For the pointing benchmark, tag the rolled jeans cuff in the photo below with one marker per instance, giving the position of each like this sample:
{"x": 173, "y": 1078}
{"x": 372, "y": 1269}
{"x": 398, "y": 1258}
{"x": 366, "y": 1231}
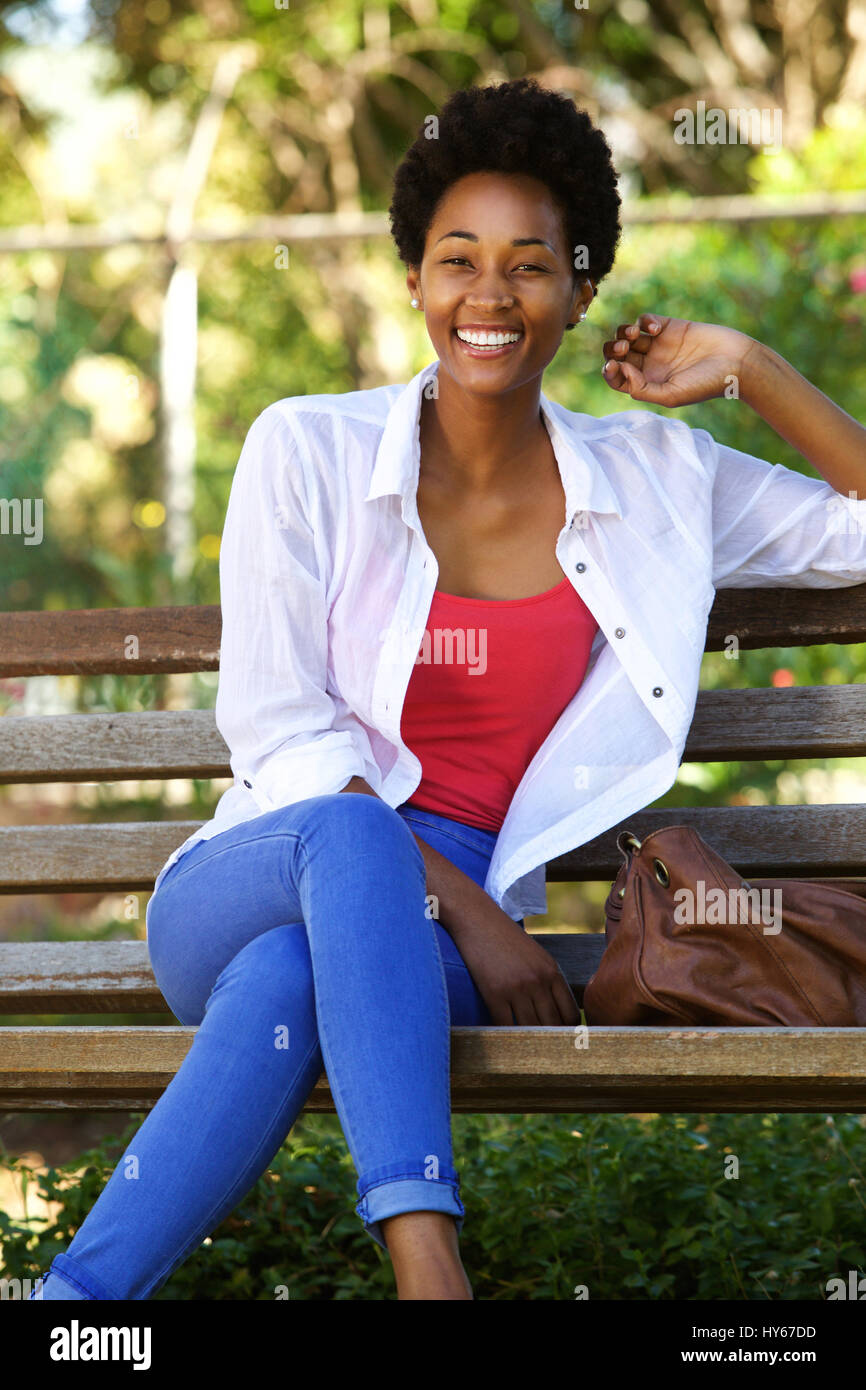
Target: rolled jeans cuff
{"x": 396, "y": 1188}
{"x": 68, "y": 1279}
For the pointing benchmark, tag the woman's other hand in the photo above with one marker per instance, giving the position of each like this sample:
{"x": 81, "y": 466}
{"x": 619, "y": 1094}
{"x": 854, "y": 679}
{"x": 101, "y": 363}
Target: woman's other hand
{"x": 512, "y": 973}
{"x": 674, "y": 362}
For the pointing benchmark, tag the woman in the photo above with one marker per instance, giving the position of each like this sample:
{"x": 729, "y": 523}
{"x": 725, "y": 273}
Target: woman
{"x": 384, "y": 551}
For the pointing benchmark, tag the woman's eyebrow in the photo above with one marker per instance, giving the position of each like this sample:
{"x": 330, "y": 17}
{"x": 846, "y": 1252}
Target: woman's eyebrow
{"x": 518, "y": 241}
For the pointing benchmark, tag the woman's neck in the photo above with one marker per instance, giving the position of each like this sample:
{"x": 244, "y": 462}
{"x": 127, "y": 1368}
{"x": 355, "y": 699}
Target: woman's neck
{"x": 485, "y": 448}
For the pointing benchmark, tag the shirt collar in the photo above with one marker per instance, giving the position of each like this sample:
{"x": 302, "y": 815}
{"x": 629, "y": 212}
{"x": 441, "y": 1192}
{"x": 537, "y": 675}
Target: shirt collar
{"x": 395, "y": 470}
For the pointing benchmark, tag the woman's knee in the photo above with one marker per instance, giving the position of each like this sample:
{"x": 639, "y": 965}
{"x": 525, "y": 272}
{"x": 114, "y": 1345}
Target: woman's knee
{"x": 351, "y": 806}
{"x": 351, "y": 818}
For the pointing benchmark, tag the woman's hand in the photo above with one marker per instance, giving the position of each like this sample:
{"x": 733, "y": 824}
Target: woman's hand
{"x": 674, "y": 362}
{"x": 512, "y": 973}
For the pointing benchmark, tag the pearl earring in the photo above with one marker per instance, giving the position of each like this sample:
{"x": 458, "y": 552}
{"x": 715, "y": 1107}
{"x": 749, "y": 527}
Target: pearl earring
{"x": 414, "y": 304}
{"x": 582, "y": 314}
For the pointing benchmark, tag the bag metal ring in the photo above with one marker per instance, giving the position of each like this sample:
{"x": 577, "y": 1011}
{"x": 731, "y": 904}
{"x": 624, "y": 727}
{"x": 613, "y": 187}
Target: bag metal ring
{"x": 662, "y": 874}
{"x": 625, "y": 839}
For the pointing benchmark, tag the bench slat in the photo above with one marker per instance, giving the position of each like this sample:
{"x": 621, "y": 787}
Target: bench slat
{"x": 493, "y": 1070}
{"x": 759, "y": 841}
{"x": 64, "y": 977}
{"x": 793, "y": 722}
{"x": 97, "y": 641}
{"x": 60, "y": 977}
{"x": 94, "y": 641}
{"x": 104, "y": 747}
{"x": 809, "y": 721}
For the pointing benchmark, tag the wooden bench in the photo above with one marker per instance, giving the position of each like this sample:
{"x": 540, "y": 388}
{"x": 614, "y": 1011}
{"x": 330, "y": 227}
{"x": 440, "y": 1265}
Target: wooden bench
{"x": 506, "y": 1070}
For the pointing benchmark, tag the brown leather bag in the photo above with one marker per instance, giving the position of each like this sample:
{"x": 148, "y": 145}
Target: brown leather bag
{"x": 792, "y": 954}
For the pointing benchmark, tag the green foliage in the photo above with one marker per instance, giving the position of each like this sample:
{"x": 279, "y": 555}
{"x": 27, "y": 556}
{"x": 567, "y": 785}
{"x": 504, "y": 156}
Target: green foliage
{"x": 633, "y": 1207}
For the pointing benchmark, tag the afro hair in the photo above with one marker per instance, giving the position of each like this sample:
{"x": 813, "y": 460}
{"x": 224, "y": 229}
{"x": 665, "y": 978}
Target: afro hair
{"x": 514, "y": 127}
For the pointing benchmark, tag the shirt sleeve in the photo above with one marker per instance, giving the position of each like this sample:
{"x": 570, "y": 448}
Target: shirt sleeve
{"x": 272, "y": 706}
{"x": 774, "y": 526}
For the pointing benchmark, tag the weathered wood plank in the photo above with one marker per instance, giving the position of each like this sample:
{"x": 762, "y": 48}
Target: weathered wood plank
{"x": 794, "y": 722}
{"x": 493, "y": 1070}
{"x": 111, "y": 641}
{"x": 92, "y": 858}
{"x": 760, "y": 841}
{"x": 45, "y": 977}
{"x": 783, "y": 617}
{"x": 64, "y": 977}
{"x": 91, "y": 641}
{"x": 107, "y": 747}
{"x": 810, "y": 721}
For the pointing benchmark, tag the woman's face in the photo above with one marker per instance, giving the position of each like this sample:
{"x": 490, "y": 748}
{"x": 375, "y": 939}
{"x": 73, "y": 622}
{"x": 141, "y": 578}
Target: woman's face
{"x": 473, "y": 275}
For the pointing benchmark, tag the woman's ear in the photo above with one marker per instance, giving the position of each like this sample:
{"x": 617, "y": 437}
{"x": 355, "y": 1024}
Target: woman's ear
{"x": 413, "y": 277}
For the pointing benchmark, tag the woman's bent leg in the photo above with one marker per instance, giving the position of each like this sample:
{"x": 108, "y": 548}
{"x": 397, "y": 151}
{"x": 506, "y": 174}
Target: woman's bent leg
{"x": 382, "y": 1006}
{"x": 213, "y": 1132}
{"x": 359, "y": 973}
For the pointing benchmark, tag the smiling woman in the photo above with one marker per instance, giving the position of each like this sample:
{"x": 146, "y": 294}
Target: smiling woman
{"x": 361, "y": 888}
{"x": 516, "y": 127}
{"x": 507, "y": 221}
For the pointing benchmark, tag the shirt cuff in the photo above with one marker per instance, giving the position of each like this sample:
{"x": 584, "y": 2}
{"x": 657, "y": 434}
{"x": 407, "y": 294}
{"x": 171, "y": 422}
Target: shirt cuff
{"x": 317, "y": 769}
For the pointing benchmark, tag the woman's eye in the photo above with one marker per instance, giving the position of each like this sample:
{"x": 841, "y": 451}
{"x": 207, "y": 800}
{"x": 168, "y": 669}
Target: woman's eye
{"x": 453, "y": 260}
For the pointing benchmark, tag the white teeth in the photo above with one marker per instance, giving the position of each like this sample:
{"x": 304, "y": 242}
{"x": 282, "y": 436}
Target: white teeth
{"x": 487, "y": 339}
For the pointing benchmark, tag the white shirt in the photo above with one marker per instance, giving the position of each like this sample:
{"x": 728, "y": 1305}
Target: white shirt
{"x": 327, "y": 579}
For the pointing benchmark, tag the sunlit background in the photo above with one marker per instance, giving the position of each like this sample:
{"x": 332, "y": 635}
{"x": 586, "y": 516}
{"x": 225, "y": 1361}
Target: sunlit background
{"x": 193, "y": 225}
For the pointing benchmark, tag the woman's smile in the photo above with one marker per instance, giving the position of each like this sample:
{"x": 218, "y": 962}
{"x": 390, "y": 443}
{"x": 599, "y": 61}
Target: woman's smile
{"x": 496, "y": 349}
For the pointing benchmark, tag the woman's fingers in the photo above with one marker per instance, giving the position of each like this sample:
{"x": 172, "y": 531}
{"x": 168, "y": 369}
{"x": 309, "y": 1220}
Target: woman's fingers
{"x": 616, "y": 348}
{"x": 565, "y": 1001}
{"x": 620, "y": 346}
{"x": 622, "y": 376}
{"x": 636, "y": 337}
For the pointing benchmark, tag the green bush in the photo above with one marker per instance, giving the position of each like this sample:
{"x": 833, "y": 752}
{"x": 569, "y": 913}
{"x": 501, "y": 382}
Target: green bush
{"x": 631, "y": 1207}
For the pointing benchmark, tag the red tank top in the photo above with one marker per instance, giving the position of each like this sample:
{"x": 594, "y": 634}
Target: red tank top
{"x": 490, "y": 680}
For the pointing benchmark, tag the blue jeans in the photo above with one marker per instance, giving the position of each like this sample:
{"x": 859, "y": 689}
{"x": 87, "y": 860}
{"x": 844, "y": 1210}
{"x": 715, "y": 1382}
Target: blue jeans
{"x": 296, "y": 941}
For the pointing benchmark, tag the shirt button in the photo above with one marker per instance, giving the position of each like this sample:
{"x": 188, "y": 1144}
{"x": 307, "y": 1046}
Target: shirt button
{"x": 657, "y": 690}
{"x": 580, "y": 567}
{"x": 248, "y": 784}
{"x": 619, "y": 632}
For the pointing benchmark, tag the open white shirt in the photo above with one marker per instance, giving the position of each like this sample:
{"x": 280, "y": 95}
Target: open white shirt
{"x": 326, "y": 583}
